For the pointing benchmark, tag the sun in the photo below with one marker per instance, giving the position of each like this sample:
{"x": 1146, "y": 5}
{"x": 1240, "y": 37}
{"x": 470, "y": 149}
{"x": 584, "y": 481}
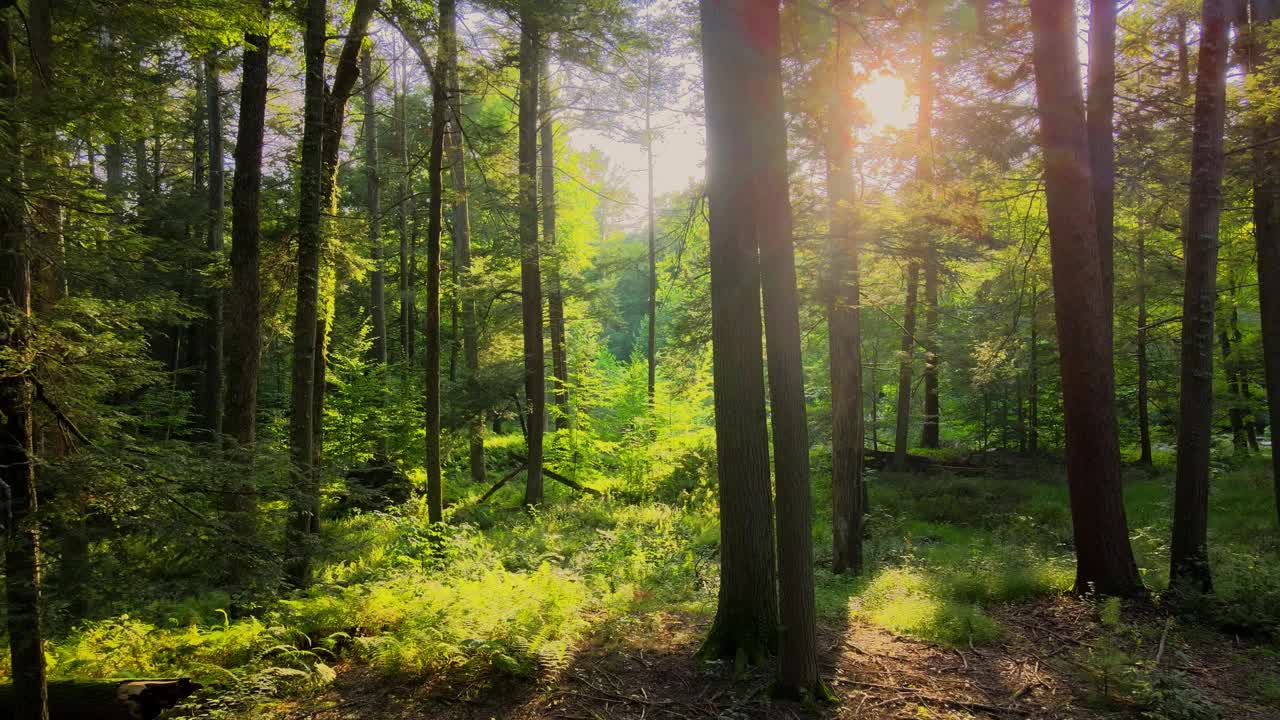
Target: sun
{"x": 887, "y": 101}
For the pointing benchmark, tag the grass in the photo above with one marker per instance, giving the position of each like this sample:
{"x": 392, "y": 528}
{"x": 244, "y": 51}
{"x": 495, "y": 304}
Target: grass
{"x": 502, "y": 591}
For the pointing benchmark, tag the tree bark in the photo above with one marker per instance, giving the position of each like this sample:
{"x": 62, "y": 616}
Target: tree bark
{"x": 1266, "y": 225}
{"x": 211, "y": 404}
{"x": 377, "y": 277}
{"x": 843, "y": 335}
{"x": 930, "y": 432}
{"x": 1189, "y": 559}
{"x": 435, "y": 209}
{"x": 244, "y": 301}
{"x": 1101, "y": 131}
{"x": 462, "y": 242}
{"x": 530, "y": 271}
{"x": 651, "y": 350}
{"x": 1104, "y": 557}
{"x": 17, "y": 441}
{"x": 766, "y": 125}
{"x": 305, "y": 509}
{"x": 555, "y": 288}
{"x": 1144, "y": 394}
{"x": 906, "y": 359}
{"x": 746, "y": 623}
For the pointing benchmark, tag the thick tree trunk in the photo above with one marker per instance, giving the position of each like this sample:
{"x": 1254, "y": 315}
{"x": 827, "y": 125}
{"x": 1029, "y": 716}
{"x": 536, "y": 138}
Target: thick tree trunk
{"x": 211, "y": 401}
{"x": 906, "y": 361}
{"x": 766, "y": 126}
{"x": 555, "y": 288}
{"x": 1266, "y": 225}
{"x": 17, "y": 466}
{"x": 530, "y": 271}
{"x": 746, "y": 623}
{"x": 435, "y": 210}
{"x": 1189, "y": 560}
{"x": 1100, "y": 127}
{"x": 1144, "y": 393}
{"x": 1104, "y": 557}
{"x": 373, "y": 205}
{"x": 305, "y": 508}
{"x": 843, "y": 335}
{"x": 244, "y": 301}
{"x": 462, "y": 241}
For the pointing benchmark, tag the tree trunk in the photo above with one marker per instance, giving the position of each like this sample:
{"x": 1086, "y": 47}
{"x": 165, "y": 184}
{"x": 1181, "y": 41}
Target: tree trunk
{"x": 244, "y": 301}
{"x": 377, "y": 277}
{"x": 906, "y": 359}
{"x": 1033, "y": 375}
{"x": 930, "y": 434}
{"x": 17, "y": 442}
{"x": 1266, "y": 225}
{"x": 843, "y": 336}
{"x": 435, "y": 209}
{"x": 1189, "y": 559}
{"x": 462, "y": 241}
{"x": 555, "y": 290}
{"x": 1235, "y": 409}
{"x": 746, "y": 623}
{"x": 404, "y": 211}
{"x": 211, "y": 404}
{"x": 930, "y": 430}
{"x": 305, "y": 510}
{"x": 651, "y": 349}
{"x": 1144, "y": 395}
{"x": 1100, "y": 127}
{"x": 1242, "y": 379}
{"x": 530, "y": 272}
{"x": 766, "y": 126}
{"x": 1104, "y": 557}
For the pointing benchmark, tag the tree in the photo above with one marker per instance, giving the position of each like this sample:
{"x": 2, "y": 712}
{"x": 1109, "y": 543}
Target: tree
{"x": 1100, "y": 125}
{"x": 746, "y": 622}
{"x": 555, "y": 286}
{"x": 766, "y": 128}
{"x": 530, "y": 272}
{"x": 906, "y": 359}
{"x": 843, "y": 335}
{"x": 1104, "y": 557}
{"x": 1189, "y": 559}
{"x": 377, "y": 281}
{"x": 435, "y": 209}
{"x": 17, "y": 390}
{"x": 213, "y": 330}
{"x": 305, "y": 508}
{"x": 243, "y": 327}
{"x": 1266, "y": 222}
{"x": 462, "y": 235}
{"x": 930, "y": 430}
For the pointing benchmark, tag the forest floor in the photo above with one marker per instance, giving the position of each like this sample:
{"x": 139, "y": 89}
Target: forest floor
{"x": 1055, "y": 660}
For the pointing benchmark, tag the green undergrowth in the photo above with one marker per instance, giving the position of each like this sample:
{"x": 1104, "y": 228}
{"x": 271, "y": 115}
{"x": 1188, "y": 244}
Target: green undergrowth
{"x": 501, "y": 590}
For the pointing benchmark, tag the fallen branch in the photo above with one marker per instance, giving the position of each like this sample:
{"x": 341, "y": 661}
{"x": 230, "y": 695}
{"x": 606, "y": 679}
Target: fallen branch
{"x": 561, "y": 478}
{"x": 498, "y": 485}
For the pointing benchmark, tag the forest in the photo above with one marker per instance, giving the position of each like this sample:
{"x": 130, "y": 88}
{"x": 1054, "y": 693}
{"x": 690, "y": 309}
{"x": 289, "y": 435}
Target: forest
{"x": 640, "y": 359}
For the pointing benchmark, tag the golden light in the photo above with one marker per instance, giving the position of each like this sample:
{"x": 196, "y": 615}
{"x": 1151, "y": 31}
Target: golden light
{"x": 887, "y": 101}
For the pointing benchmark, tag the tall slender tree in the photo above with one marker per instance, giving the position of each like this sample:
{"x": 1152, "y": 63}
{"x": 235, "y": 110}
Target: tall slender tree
{"x": 767, "y": 129}
{"x": 1104, "y": 557}
{"x": 930, "y": 427}
{"x": 1189, "y": 559}
{"x": 435, "y": 210}
{"x": 373, "y": 205}
{"x": 305, "y": 508}
{"x": 213, "y": 330}
{"x": 746, "y": 622}
{"x": 530, "y": 270}
{"x": 17, "y": 390}
{"x": 843, "y": 336}
{"x": 555, "y": 286}
{"x": 1100, "y": 125}
{"x": 1266, "y": 221}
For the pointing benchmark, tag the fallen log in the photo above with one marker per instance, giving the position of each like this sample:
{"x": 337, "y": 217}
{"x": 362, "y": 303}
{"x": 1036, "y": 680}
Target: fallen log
{"x": 108, "y": 699}
{"x": 498, "y": 485}
{"x": 560, "y": 478}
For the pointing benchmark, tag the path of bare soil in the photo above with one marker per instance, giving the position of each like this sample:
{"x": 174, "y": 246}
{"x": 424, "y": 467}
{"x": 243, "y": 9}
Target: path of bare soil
{"x": 1042, "y": 668}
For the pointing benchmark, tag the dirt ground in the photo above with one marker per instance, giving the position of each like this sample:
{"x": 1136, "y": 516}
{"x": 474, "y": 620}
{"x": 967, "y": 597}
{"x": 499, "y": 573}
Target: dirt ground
{"x": 1044, "y": 667}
